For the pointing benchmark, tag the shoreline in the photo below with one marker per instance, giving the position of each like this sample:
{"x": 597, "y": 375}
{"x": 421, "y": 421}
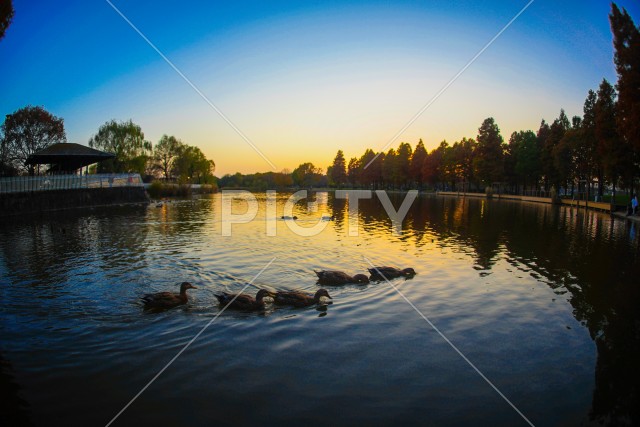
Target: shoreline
{"x": 592, "y": 206}
{"x": 35, "y": 203}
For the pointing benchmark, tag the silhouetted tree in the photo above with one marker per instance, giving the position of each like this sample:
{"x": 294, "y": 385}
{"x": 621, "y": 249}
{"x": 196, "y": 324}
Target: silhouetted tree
{"x": 126, "y": 141}
{"x": 488, "y": 161}
{"x": 390, "y": 168}
{"x": 433, "y": 163}
{"x": 546, "y": 158}
{"x": 524, "y": 156}
{"x": 417, "y": 161}
{"x": 588, "y": 163}
{"x": 463, "y": 154}
{"x": 565, "y": 154}
{"x": 307, "y": 175}
{"x": 192, "y": 166}
{"x": 403, "y": 163}
{"x": 283, "y": 178}
{"x": 510, "y": 155}
{"x": 26, "y": 131}
{"x": 448, "y": 167}
{"x": 371, "y": 172}
{"x": 6, "y": 16}
{"x": 626, "y": 43}
{"x": 556, "y": 132}
{"x": 354, "y": 171}
{"x": 612, "y": 149}
{"x": 548, "y": 138}
{"x": 338, "y": 174}
{"x": 164, "y": 154}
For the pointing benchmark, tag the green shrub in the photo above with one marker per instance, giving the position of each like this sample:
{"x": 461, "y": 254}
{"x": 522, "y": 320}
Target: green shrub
{"x": 208, "y": 188}
{"x": 155, "y": 190}
{"x": 159, "y": 189}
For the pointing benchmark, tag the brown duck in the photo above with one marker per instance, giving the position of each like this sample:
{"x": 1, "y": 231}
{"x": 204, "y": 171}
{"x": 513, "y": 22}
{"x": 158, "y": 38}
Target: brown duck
{"x": 328, "y": 277}
{"x": 300, "y": 299}
{"x": 381, "y": 273}
{"x": 167, "y": 299}
{"x": 244, "y": 301}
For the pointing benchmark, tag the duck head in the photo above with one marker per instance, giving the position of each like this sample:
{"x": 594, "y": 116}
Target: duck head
{"x": 186, "y": 285}
{"x": 322, "y": 293}
{"x": 264, "y": 293}
{"x": 408, "y": 272}
{"x": 360, "y": 278}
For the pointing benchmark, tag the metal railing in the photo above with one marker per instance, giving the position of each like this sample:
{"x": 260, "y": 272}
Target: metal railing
{"x": 27, "y": 184}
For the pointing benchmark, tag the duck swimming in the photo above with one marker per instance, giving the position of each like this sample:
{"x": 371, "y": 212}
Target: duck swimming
{"x": 244, "y": 301}
{"x": 381, "y": 273}
{"x": 167, "y": 299}
{"x": 328, "y": 277}
{"x": 299, "y": 299}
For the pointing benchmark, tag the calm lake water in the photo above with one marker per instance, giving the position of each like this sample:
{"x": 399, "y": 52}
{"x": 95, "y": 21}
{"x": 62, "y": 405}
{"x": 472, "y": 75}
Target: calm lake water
{"x": 544, "y": 301}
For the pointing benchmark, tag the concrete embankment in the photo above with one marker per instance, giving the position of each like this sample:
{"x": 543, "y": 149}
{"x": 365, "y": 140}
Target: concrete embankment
{"x": 34, "y": 202}
{"x": 604, "y": 207}
{"x": 623, "y": 215}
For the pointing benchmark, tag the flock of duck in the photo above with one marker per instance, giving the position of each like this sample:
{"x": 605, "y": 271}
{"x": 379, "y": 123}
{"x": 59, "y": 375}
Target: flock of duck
{"x": 245, "y": 302}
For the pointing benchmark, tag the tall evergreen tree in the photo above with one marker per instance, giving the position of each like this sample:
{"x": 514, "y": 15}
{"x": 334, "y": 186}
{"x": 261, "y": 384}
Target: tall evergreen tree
{"x": 353, "y": 171}
{"x": 548, "y": 138}
{"x": 489, "y": 158}
{"x": 588, "y": 163}
{"x": 525, "y": 157}
{"x": 612, "y": 149}
{"x": 372, "y": 175}
{"x": 403, "y": 163}
{"x": 417, "y": 161}
{"x": 338, "y": 172}
{"x": 547, "y": 167}
{"x": 464, "y": 152}
{"x": 626, "y": 43}
{"x": 556, "y": 132}
{"x": 390, "y": 169}
{"x": 432, "y": 169}
{"x": 449, "y": 172}
{"x": 564, "y": 154}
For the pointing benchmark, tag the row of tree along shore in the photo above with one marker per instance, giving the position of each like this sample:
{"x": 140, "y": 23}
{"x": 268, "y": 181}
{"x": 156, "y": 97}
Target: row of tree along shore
{"x": 579, "y": 157}
{"x": 31, "y": 129}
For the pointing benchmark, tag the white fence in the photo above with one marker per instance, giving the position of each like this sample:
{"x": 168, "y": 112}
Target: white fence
{"x": 26, "y": 184}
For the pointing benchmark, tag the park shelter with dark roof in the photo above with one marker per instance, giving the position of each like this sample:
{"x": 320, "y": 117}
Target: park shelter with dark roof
{"x": 68, "y": 157}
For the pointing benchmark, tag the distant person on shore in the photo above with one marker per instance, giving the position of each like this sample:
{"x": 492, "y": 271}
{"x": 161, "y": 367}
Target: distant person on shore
{"x": 634, "y": 205}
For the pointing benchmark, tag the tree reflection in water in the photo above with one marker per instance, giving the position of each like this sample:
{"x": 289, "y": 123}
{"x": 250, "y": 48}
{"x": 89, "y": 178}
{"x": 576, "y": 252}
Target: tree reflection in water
{"x": 589, "y": 255}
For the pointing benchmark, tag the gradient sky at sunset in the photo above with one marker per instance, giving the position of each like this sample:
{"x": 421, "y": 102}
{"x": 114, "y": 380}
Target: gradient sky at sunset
{"x": 304, "y": 79}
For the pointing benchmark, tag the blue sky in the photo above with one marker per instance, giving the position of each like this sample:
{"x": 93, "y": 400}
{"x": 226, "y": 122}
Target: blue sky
{"x": 304, "y": 79}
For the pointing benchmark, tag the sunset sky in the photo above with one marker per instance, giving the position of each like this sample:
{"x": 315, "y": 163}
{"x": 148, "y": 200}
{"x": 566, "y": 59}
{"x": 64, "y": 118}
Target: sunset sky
{"x": 304, "y": 79}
